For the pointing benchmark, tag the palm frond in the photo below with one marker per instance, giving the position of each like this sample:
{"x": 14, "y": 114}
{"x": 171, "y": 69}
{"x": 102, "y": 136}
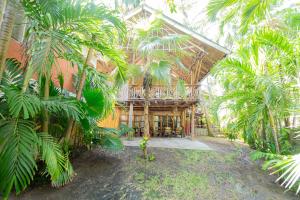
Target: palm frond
{"x": 215, "y": 6}
{"x": 68, "y": 106}
{"x": 274, "y": 39}
{"x": 161, "y": 71}
{"x": 22, "y": 104}
{"x": 289, "y": 166}
{"x": 107, "y": 138}
{"x": 13, "y": 74}
{"x": 95, "y": 102}
{"x": 18, "y": 147}
{"x": 256, "y": 155}
{"x": 181, "y": 89}
{"x": 57, "y": 163}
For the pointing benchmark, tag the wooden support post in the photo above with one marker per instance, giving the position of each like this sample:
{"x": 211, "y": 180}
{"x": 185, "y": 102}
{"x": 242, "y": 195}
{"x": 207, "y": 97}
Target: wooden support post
{"x": 193, "y": 121}
{"x": 184, "y": 121}
{"x": 161, "y": 125}
{"x": 130, "y": 117}
{"x": 146, "y": 120}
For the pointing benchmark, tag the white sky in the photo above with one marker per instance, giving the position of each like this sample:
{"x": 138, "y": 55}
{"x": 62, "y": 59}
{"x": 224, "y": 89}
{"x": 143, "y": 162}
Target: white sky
{"x": 195, "y": 12}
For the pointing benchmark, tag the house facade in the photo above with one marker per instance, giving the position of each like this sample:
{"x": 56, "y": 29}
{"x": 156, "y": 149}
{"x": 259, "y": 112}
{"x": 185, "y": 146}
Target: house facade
{"x": 170, "y": 112}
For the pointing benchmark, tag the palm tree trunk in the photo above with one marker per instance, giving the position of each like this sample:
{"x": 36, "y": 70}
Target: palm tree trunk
{"x": 71, "y": 123}
{"x": 20, "y": 25}
{"x": 263, "y": 133}
{"x": 5, "y": 33}
{"x": 146, "y": 111}
{"x": 46, "y": 97}
{"x": 208, "y": 124}
{"x": 274, "y": 131}
{"x": 2, "y": 10}
{"x": 116, "y": 4}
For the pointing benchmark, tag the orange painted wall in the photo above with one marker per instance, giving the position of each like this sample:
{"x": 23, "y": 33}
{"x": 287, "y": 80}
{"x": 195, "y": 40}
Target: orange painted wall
{"x": 17, "y": 51}
{"x": 112, "y": 121}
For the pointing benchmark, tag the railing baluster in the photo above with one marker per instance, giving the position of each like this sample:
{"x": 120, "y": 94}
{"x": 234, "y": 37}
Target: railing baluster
{"x": 159, "y": 92}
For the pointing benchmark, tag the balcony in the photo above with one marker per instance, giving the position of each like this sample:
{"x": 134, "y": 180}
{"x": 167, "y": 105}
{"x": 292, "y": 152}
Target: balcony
{"x": 158, "y": 92}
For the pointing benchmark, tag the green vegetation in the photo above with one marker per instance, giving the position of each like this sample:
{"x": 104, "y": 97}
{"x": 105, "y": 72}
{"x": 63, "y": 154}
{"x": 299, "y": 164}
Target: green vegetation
{"x": 260, "y": 79}
{"x": 143, "y": 146}
{"x": 41, "y": 122}
{"x": 38, "y": 121}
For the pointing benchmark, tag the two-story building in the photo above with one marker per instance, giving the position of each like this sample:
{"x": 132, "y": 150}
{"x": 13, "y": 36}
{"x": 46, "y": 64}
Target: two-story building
{"x": 169, "y": 112}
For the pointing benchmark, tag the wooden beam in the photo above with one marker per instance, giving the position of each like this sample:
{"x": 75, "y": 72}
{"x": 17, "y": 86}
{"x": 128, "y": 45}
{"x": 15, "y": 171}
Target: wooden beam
{"x": 193, "y": 122}
{"x": 130, "y": 117}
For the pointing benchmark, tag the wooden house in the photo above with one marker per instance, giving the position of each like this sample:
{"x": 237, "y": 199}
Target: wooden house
{"x": 169, "y": 112}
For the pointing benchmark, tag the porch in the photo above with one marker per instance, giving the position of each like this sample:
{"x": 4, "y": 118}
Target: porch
{"x": 165, "y": 120}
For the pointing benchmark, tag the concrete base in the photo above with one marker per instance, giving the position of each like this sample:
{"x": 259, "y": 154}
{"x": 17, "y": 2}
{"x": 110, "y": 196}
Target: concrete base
{"x": 176, "y": 143}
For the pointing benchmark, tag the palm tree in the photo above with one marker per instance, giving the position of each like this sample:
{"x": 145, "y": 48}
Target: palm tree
{"x": 58, "y": 27}
{"x": 105, "y": 37}
{"x": 258, "y": 89}
{"x": 21, "y": 143}
{"x": 2, "y": 9}
{"x": 7, "y": 23}
{"x": 157, "y": 61}
{"x": 260, "y": 79}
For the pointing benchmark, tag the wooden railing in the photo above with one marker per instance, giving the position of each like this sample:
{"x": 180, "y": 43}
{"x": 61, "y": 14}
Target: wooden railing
{"x": 158, "y": 92}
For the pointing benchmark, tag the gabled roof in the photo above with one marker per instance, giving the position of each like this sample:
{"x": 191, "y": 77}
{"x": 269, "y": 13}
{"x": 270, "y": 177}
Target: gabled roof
{"x": 205, "y": 51}
{"x": 177, "y": 25}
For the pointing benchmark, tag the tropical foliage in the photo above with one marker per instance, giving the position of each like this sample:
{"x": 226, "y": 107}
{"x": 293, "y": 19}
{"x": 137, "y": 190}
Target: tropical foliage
{"x": 37, "y": 114}
{"x": 21, "y": 141}
{"x": 260, "y": 79}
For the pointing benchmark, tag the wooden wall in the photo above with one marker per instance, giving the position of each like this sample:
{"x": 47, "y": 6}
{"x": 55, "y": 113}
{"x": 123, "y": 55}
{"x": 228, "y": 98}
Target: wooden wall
{"x": 112, "y": 121}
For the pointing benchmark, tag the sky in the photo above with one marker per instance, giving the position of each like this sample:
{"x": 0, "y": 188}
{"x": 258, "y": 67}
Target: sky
{"x": 188, "y": 12}
{"x": 194, "y": 11}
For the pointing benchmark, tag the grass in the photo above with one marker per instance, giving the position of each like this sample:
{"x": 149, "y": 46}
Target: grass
{"x": 194, "y": 174}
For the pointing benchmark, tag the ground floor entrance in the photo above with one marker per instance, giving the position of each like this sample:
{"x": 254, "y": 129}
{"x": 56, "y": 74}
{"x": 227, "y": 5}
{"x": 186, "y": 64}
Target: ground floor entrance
{"x": 163, "y": 121}
{"x": 161, "y": 124}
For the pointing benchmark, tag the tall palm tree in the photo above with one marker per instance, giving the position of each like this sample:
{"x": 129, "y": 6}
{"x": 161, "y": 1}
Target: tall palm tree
{"x": 261, "y": 79}
{"x": 157, "y": 59}
{"x": 21, "y": 143}
{"x": 104, "y": 38}
{"x": 58, "y": 29}
{"x": 7, "y": 24}
{"x": 2, "y": 9}
{"x": 258, "y": 89}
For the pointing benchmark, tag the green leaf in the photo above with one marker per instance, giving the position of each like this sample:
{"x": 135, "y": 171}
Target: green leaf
{"x": 69, "y": 107}
{"x": 13, "y": 74}
{"x": 57, "y": 163}
{"x": 94, "y": 102}
{"x": 17, "y": 156}
{"x": 161, "y": 71}
{"x": 22, "y": 104}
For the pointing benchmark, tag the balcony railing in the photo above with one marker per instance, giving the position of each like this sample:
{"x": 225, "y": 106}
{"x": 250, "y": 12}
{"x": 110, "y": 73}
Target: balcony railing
{"x": 158, "y": 92}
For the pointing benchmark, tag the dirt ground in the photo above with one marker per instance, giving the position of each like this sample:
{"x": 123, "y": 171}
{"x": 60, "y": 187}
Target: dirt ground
{"x": 224, "y": 173}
